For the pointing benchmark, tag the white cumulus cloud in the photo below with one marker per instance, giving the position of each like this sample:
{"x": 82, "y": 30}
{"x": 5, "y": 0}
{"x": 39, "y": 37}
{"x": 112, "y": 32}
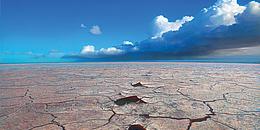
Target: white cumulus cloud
{"x": 110, "y": 51}
{"x": 89, "y": 49}
{"x": 253, "y": 8}
{"x": 83, "y": 25}
{"x": 162, "y": 25}
{"x": 95, "y": 30}
{"x": 223, "y": 12}
{"x": 128, "y": 43}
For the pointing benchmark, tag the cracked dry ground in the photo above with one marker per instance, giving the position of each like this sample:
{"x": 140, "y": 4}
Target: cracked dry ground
{"x": 114, "y": 96}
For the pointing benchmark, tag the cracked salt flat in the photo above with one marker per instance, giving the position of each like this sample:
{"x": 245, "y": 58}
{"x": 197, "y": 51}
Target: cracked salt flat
{"x": 195, "y": 96}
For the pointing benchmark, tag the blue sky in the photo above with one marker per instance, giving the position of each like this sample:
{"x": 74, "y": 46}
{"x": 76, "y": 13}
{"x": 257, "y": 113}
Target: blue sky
{"x": 32, "y": 29}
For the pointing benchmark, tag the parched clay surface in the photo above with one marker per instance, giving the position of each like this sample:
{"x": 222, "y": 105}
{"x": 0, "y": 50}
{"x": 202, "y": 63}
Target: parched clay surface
{"x": 114, "y": 96}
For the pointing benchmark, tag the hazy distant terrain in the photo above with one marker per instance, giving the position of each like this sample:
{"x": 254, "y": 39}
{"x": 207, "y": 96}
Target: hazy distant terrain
{"x": 111, "y": 96}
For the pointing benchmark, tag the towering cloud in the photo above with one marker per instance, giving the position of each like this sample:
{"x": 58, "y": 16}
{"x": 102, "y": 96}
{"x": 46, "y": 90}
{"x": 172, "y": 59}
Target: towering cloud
{"x": 224, "y": 12}
{"x": 253, "y": 8}
{"x": 162, "y": 25}
{"x": 224, "y": 25}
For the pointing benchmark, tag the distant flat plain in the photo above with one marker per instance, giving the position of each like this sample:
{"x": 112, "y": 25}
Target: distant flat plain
{"x": 112, "y": 96}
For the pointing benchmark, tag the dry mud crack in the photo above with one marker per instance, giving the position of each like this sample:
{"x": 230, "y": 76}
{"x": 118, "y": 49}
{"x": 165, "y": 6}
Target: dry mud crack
{"x": 134, "y": 96}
